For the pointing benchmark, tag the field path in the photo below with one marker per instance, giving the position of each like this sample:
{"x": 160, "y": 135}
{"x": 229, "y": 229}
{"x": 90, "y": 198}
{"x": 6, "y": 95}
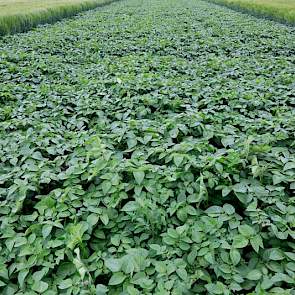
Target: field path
{"x": 148, "y": 146}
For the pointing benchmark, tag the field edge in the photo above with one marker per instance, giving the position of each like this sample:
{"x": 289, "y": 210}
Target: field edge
{"x": 21, "y": 23}
{"x": 258, "y": 11}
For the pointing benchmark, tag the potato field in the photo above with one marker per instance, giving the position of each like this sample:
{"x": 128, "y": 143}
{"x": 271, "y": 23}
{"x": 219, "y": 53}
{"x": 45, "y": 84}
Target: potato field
{"x": 148, "y": 147}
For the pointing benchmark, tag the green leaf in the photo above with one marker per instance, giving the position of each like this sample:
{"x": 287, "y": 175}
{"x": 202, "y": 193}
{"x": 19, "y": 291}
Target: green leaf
{"x": 130, "y": 206}
{"x": 267, "y": 283}
{"x": 214, "y": 210}
{"x": 40, "y": 286}
{"x": 172, "y": 233}
{"x": 197, "y": 236}
{"x": 169, "y": 241}
{"x": 182, "y": 273}
{"x": 240, "y": 241}
{"x": 106, "y": 186}
{"x": 226, "y": 191}
{"x": 209, "y": 257}
{"x": 46, "y": 230}
{"x": 290, "y": 255}
{"x": 229, "y": 209}
{"x": 240, "y": 188}
{"x": 289, "y": 166}
{"x": 21, "y": 277}
{"x": 38, "y": 275}
{"x": 92, "y": 219}
{"x": 10, "y": 290}
{"x": 101, "y": 289}
{"x": 115, "y": 240}
{"x": 128, "y": 265}
{"x": 113, "y": 264}
{"x": 65, "y": 284}
{"x": 246, "y": 230}
{"x": 254, "y": 275}
{"x": 104, "y": 218}
{"x": 75, "y": 233}
{"x": 276, "y": 254}
{"x": 192, "y": 256}
{"x": 117, "y": 279}
{"x": 174, "y": 132}
{"x": 235, "y": 256}
{"x": 139, "y": 176}
{"x": 80, "y": 266}
{"x": 131, "y": 142}
{"x": 4, "y": 272}
{"x": 256, "y": 242}
{"x": 228, "y": 141}
{"x": 178, "y": 158}
{"x": 217, "y": 288}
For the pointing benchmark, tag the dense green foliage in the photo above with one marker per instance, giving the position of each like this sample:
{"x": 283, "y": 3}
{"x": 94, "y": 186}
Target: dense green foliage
{"x": 279, "y": 10}
{"x": 24, "y": 21}
{"x": 147, "y": 147}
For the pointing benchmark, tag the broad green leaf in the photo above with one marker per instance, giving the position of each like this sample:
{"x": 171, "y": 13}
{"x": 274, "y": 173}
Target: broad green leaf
{"x": 65, "y": 284}
{"x": 182, "y": 273}
{"x": 267, "y": 283}
{"x": 104, "y": 218}
{"x": 228, "y": 209}
{"x": 139, "y": 176}
{"x": 226, "y": 191}
{"x": 240, "y": 241}
{"x": 246, "y": 230}
{"x": 117, "y": 279}
{"x": 131, "y": 142}
{"x": 228, "y": 141}
{"x": 4, "y": 272}
{"x": 178, "y": 158}
{"x": 113, "y": 264}
{"x": 40, "y": 286}
{"x": 217, "y": 288}
{"x": 21, "y": 277}
{"x": 38, "y": 275}
{"x": 290, "y": 255}
{"x": 214, "y": 210}
{"x": 256, "y": 242}
{"x": 235, "y": 256}
{"x": 197, "y": 236}
{"x": 289, "y": 166}
{"x": 254, "y": 275}
{"x": 106, "y": 186}
{"x": 101, "y": 289}
{"x": 128, "y": 265}
{"x": 240, "y": 188}
{"x": 46, "y": 230}
{"x": 276, "y": 254}
{"x": 130, "y": 206}
{"x": 92, "y": 219}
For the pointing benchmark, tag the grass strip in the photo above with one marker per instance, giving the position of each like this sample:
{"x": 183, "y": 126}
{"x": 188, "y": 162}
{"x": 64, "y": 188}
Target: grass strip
{"x": 281, "y": 11}
{"x": 19, "y": 23}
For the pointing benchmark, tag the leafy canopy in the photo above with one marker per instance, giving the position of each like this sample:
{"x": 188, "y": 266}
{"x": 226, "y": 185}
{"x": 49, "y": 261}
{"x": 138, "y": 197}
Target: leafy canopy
{"x": 148, "y": 148}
